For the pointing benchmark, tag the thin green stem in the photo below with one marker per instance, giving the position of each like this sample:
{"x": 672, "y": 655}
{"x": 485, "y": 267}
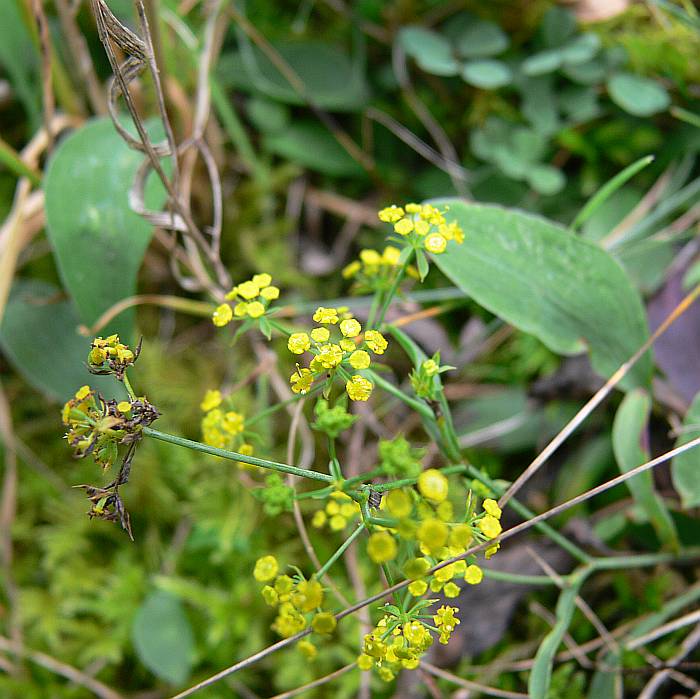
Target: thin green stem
{"x": 376, "y": 302}
{"x": 13, "y": 161}
{"x": 341, "y": 550}
{"x": 389, "y": 297}
{"x": 644, "y": 559}
{"x": 503, "y": 576}
{"x": 235, "y": 456}
{"x": 334, "y": 464}
{"x": 129, "y": 389}
{"x": 421, "y": 408}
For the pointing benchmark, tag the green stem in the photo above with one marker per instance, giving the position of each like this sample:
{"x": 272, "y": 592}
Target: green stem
{"x": 334, "y": 464}
{"x": 341, "y": 550}
{"x": 421, "y": 408}
{"x": 644, "y": 559}
{"x": 374, "y": 308}
{"x": 389, "y": 297}
{"x": 129, "y": 389}
{"x": 11, "y": 158}
{"x": 235, "y": 456}
{"x": 503, "y": 576}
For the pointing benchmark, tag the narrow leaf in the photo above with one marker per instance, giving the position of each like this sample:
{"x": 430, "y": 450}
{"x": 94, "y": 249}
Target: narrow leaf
{"x": 685, "y": 468}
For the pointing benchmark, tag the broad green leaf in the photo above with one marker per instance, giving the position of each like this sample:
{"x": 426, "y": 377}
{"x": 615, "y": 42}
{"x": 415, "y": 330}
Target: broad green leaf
{"x": 534, "y": 274}
{"x": 580, "y": 50}
{"x": 97, "y": 240}
{"x": 685, "y": 468}
{"x": 163, "y": 637}
{"x": 329, "y": 75}
{"x": 267, "y": 115}
{"x": 558, "y": 25}
{"x": 481, "y": 38}
{"x": 541, "y": 63}
{"x": 541, "y": 673}
{"x": 311, "y": 145}
{"x": 431, "y": 51}
{"x": 630, "y": 439}
{"x": 637, "y": 95}
{"x": 19, "y": 57}
{"x": 486, "y": 74}
{"x": 39, "y": 335}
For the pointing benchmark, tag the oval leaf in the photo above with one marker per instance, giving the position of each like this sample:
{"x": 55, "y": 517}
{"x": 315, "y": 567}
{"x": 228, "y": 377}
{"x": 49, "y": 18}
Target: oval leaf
{"x": 636, "y": 95}
{"x": 481, "y": 38}
{"x": 431, "y": 51}
{"x": 546, "y": 281}
{"x": 630, "y": 440}
{"x": 487, "y": 74}
{"x": 163, "y": 637}
{"x": 685, "y": 468}
{"x": 97, "y": 240}
{"x": 38, "y": 316}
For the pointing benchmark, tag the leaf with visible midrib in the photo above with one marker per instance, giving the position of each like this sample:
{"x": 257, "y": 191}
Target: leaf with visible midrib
{"x": 97, "y": 240}
{"x": 685, "y": 468}
{"x": 569, "y": 293}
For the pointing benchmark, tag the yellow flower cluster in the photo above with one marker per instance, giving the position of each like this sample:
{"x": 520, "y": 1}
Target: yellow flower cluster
{"x": 332, "y": 355}
{"x": 110, "y": 356}
{"x": 424, "y": 225}
{"x": 252, "y": 298}
{"x": 374, "y": 270}
{"x": 298, "y": 602}
{"x": 223, "y": 428}
{"x": 395, "y": 644}
{"x": 425, "y": 517}
{"x": 338, "y": 512}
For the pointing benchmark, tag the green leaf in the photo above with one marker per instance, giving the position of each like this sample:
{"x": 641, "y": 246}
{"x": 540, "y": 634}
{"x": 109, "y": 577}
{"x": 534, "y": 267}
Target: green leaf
{"x": 580, "y": 50}
{"x": 39, "y": 335}
{"x": 541, "y": 63}
{"x": 546, "y": 179}
{"x": 486, "y": 74}
{"x": 267, "y": 115}
{"x": 163, "y": 637}
{"x": 431, "y": 51}
{"x": 19, "y": 57}
{"x": 637, "y": 95}
{"x": 568, "y": 292}
{"x": 630, "y": 439}
{"x": 558, "y": 25}
{"x": 330, "y": 76}
{"x": 311, "y": 145}
{"x": 685, "y": 468}
{"x": 481, "y": 38}
{"x": 541, "y": 673}
{"x": 422, "y": 264}
{"x": 97, "y": 240}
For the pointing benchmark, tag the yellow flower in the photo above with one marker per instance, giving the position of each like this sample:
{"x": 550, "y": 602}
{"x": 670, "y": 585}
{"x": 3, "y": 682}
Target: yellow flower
{"x": 324, "y": 623}
{"x": 391, "y": 255}
{"x": 337, "y": 523}
{"x": 255, "y": 309}
{"x": 270, "y": 596}
{"x": 326, "y": 315}
{"x": 461, "y": 536}
{"x": 416, "y": 568}
{"x": 491, "y": 507}
{"x": 232, "y": 422}
{"x": 329, "y": 356}
{"x": 452, "y": 231}
{"x": 270, "y": 293}
{"x": 404, "y": 226}
{"x": 491, "y": 550}
{"x": 489, "y": 526}
{"x": 212, "y": 399}
{"x": 432, "y": 533}
{"x": 308, "y": 649}
{"x": 365, "y": 662}
{"x": 262, "y": 280}
{"x": 433, "y": 485}
{"x": 358, "y": 388}
{"x": 240, "y": 309}
{"x": 222, "y": 315}
{"x": 451, "y": 590}
{"x": 413, "y": 208}
{"x": 248, "y": 290}
{"x": 435, "y": 243}
{"x": 266, "y": 568}
{"x": 430, "y": 367}
{"x": 359, "y": 359}
{"x": 391, "y": 214}
{"x": 82, "y": 393}
{"x": 301, "y": 381}
{"x": 97, "y": 356}
{"x": 350, "y": 327}
{"x": 320, "y": 334}
{"x": 421, "y": 227}
{"x": 124, "y": 406}
{"x": 418, "y": 588}
{"x": 399, "y": 503}
{"x": 381, "y": 547}
{"x": 370, "y": 257}
{"x": 308, "y": 595}
{"x": 473, "y": 575}
{"x": 352, "y": 269}
{"x": 376, "y": 341}
{"x": 298, "y": 343}
{"x": 319, "y": 519}
{"x": 346, "y": 345}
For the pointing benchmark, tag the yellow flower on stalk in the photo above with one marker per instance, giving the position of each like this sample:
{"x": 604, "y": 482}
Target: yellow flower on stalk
{"x": 262, "y": 280}
{"x": 270, "y": 293}
{"x": 433, "y": 485}
{"x": 491, "y": 507}
{"x": 350, "y": 327}
{"x": 359, "y": 359}
{"x": 222, "y": 315}
{"x": 432, "y": 534}
{"x": 320, "y": 334}
{"x": 266, "y": 568}
{"x": 212, "y": 399}
{"x": 418, "y": 588}
{"x": 248, "y": 290}
{"x": 359, "y": 388}
{"x": 301, "y": 381}
{"x": 490, "y": 527}
{"x": 381, "y": 547}
{"x": 324, "y": 623}
{"x": 404, "y": 226}
{"x": 298, "y": 343}
{"x": 255, "y": 309}
{"x": 435, "y": 243}
{"x": 473, "y": 575}
{"x": 376, "y": 341}
{"x": 391, "y": 214}
{"x": 329, "y": 356}
{"x": 326, "y": 315}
